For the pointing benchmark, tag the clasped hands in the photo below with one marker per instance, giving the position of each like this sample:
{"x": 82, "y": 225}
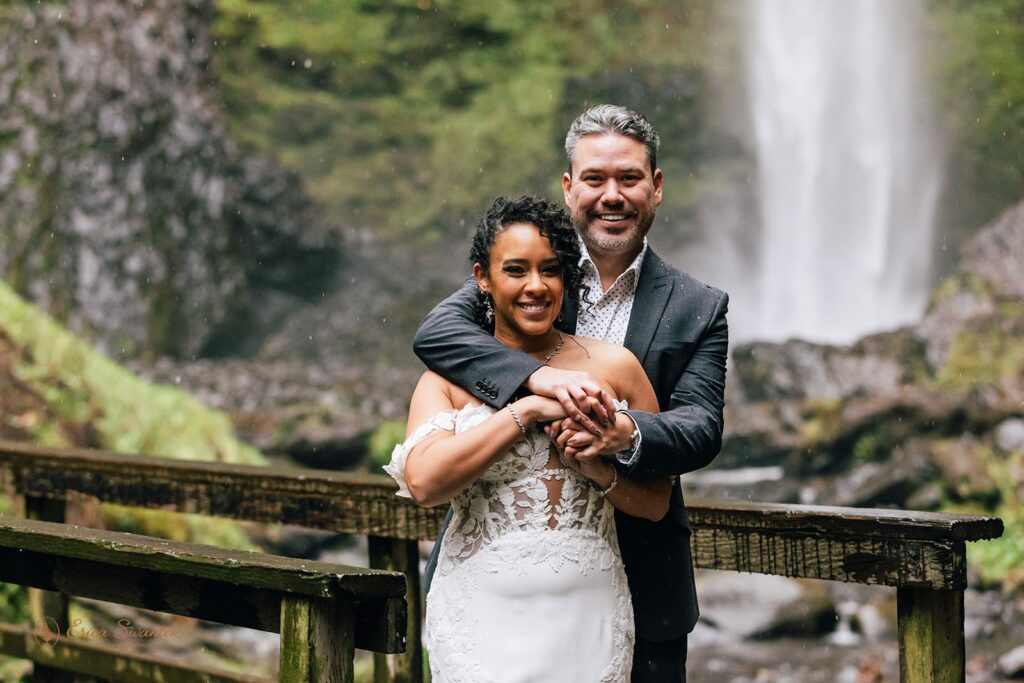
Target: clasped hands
{"x": 591, "y": 427}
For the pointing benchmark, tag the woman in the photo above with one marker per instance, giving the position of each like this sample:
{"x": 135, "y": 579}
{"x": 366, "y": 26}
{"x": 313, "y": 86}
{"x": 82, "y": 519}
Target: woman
{"x": 529, "y": 584}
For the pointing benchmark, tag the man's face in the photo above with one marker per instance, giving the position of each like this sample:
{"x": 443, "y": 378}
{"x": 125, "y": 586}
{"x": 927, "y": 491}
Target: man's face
{"x": 612, "y": 193}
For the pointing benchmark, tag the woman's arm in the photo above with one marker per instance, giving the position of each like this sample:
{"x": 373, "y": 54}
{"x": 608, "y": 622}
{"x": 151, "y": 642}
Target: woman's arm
{"x": 445, "y": 463}
{"x": 636, "y": 495}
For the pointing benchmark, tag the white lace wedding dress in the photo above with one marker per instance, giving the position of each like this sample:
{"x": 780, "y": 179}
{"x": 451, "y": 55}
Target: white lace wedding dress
{"x": 529, "y": 584}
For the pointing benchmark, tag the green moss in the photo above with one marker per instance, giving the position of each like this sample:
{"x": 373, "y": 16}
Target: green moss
{"x": 189, "y": 528}
{"x": 984, "y": 356}
{"x": 874, "y": 446}
{"x": 384, "y": 439}
{"x": 127, "y": 415}
{"x": 822, "y": 421}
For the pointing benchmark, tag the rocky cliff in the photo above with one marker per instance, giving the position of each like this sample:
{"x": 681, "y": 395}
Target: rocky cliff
{"x": 125, "y": 208}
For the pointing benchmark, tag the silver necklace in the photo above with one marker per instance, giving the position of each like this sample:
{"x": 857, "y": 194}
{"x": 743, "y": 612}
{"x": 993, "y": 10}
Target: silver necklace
{"x": 558, "y": 347}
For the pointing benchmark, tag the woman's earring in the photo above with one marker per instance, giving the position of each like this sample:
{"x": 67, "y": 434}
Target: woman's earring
{"x": 488, "y": 309}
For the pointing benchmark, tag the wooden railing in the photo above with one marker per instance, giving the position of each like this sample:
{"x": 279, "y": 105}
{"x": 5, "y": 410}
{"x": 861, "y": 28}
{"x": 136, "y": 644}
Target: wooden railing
{"x": 922, "y": 555}
{"x": 322, "y": 611}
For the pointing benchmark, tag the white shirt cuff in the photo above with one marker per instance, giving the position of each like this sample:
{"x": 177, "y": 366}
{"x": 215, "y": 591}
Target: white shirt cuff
{"x": 629, "y": 456}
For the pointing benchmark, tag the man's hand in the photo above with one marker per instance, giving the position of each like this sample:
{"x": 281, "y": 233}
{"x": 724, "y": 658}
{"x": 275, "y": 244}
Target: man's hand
{"x": 577, "y": 443}
{"x": 578, "y": 392}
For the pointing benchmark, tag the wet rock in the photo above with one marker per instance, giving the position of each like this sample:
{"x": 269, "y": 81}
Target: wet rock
{"x": 1011, "y": 664}
{"x": 292, "y": 541}
{"x": 784, "y": 607}
{"x": 879, "y": 484}
{"x": 964, "y": 471}
{"x": 1009, "y": 435}
{"x": 875, "y": 623}
{"x": 317, "y": 412}
{"x": 996, "y": 253}
{"x": 800, "y": 370}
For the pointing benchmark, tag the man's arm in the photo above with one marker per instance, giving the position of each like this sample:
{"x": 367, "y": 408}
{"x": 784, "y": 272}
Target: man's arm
{"x": 452, "y": 344}
{"x": 688, "y": 435}
{"x": 683, "y": 438}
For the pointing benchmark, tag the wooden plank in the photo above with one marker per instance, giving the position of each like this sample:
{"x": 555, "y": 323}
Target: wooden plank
{"x": 401, "y": 555}
{"x": 341, "y": 502}
{"x": 245, "y": 568}
{"x": 841, "y": 522}
{"x": 317, "y": 641}
{"x": 886, "y": 562}
{"x": 47, "y": 606}
{"x": 381, "y": 621}
{"x": 366, "y": 504}
{"x": 105, "y": 661}
{"x": 931, "y": 632}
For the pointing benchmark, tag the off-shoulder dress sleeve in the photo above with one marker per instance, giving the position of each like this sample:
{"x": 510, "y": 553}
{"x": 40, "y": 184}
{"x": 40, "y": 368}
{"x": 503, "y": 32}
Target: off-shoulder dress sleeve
{"x": 449, "y": 421}
{"x": 443, "y": 421}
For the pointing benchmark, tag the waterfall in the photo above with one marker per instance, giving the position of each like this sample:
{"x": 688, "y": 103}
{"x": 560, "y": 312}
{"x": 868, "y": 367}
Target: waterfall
{"x": 849, "y": 168}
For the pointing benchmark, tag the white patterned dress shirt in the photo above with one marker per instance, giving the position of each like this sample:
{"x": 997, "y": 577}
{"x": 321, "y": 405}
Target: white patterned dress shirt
{"x": 605, "y": 314}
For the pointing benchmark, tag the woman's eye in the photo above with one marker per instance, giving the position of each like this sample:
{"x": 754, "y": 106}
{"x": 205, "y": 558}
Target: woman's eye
{"x": 513, "y": 270}
{"x": 553, "y": 270}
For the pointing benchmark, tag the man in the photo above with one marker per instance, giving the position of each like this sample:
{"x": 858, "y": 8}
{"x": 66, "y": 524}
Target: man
{"x": 674, "y": 325}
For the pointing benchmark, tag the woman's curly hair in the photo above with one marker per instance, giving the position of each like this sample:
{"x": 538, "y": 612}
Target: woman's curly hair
{"x": 553, "y": 222}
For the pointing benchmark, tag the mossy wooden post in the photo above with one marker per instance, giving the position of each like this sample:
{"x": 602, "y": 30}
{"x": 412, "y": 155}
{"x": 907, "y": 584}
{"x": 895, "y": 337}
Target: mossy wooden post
{"x": 931, "y": 627}
{"x": 49, "y": 610}
{"x": 317, "y": 641}
{"x": 401, "y": 555}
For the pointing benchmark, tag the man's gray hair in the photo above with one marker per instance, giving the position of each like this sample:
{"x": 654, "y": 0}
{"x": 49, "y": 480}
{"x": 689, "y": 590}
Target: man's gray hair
{"x": 613, "y": 118}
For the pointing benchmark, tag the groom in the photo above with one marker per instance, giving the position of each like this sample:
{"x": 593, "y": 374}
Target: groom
{"x": 674, "y": 325}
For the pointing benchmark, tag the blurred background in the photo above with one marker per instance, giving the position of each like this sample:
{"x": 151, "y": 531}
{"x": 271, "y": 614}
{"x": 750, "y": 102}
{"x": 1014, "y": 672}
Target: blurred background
{"x": 222, "y": 220}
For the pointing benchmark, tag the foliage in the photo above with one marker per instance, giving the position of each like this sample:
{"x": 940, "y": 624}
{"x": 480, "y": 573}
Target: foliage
{"x": 383, "y": 440}
{"x": 409, "y": 117}
{"x": 1001, "y": 560}
{"x": 979, "y": 60}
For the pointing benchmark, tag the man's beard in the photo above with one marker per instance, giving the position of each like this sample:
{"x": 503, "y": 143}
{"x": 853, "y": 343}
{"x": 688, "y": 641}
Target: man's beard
{"x": 627, "y": 241}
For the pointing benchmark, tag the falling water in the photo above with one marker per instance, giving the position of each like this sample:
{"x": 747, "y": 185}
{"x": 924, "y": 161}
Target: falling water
{"x": 849, "y": 168}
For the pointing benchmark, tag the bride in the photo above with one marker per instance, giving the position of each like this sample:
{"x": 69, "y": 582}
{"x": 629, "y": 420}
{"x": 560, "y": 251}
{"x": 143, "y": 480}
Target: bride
{"x": 529, "y": 584}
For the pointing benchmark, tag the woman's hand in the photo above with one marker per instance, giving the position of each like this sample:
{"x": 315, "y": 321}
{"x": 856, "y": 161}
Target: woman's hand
{"x": 534, "y": 409}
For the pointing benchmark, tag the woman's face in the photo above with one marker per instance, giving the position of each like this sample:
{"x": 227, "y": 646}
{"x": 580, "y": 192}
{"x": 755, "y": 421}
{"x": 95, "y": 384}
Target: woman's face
{"x": 525, "y": 281}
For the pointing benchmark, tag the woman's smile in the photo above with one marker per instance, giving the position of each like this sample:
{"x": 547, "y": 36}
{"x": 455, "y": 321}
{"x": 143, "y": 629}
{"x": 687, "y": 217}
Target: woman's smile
{"x": 532, "y": 308}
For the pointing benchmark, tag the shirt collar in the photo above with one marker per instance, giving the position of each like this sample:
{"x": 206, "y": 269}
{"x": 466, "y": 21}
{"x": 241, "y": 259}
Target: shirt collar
{"x": 590, "y": 268}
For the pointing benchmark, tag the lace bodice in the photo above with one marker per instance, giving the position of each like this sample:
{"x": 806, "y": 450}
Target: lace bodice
{"x": 529, "y": 564}
{"x": 528, "y": 488}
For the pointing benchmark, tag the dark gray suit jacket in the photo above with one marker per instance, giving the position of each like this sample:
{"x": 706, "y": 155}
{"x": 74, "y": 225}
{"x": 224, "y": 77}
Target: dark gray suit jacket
{"x": 678, "y": 331}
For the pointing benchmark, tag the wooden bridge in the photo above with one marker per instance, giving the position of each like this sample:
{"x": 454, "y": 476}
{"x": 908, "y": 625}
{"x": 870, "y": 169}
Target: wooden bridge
{"x": 324, "y": 611}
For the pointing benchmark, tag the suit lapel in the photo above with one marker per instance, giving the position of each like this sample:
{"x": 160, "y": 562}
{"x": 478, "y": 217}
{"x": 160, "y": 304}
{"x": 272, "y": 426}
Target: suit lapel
{"x": 652, "y": 292}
